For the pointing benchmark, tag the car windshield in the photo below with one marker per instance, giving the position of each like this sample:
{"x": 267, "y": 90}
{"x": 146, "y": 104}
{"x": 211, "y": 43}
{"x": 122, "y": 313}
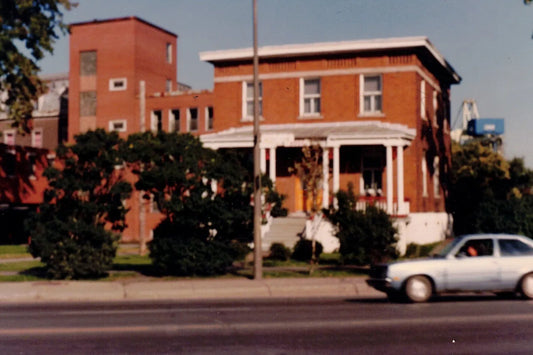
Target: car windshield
{"x": 442, "y": 249}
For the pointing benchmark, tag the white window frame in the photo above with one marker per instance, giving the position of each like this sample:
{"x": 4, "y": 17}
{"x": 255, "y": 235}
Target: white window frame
{"x": 313, "y": 97}
{"x": 112, "y": 124}
{"x": 168, "y": 85}
{"x": 189, "y": 119}
{"x": 376, "y": 172}
{"x": 423, "y": 99}
{"x": 372, "y": 94}
{"x": 114, "y": 81}
{"x": 435, "y": 107}
{"x": 172, "y": 120}
{"x": 246, "y": 100}
{"x": 34, "y": 134}
{"x": 10, "y": 133}
{"x": 436, "y": 177}
{"x": 208, "y": 117}
{"x": 169, "y": 56}
{"x": 424, "y": 177}
{"x": 154, "y": 120}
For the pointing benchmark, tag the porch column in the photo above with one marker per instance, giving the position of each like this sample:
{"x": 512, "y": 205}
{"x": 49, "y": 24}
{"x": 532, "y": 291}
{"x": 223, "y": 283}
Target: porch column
{"x": 336, "y": 169}
{"x": 263, "y": 161}
{"x": 400, "y": 180}
{"x": 389, "y": 180}
{"x": 325, "y": 177}
{"x": 272, "y": 164}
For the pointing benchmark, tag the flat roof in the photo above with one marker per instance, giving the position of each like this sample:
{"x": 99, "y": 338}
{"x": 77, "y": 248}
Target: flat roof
{"x": 310, "y": 49}
{"x": 119, "y": 19}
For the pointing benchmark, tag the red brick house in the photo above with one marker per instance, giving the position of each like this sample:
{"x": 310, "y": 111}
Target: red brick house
{"x": 380, "y": 110}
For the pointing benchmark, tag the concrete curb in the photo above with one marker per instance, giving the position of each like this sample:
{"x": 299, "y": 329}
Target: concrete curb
{"x": 182, "y": 290}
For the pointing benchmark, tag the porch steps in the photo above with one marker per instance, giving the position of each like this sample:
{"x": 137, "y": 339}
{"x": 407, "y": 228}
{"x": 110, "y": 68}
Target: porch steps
{"x": 284, "y": 230}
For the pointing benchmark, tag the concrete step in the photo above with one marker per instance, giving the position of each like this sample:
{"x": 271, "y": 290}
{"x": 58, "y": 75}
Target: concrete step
{"x": 285, "y": 230}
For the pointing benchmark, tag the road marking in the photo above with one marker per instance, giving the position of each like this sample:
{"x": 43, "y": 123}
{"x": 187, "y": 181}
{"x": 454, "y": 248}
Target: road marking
{"x": 244, "y": 327}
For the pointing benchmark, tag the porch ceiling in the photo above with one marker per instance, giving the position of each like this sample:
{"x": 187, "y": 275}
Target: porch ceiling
{"x": 330, "y": 134}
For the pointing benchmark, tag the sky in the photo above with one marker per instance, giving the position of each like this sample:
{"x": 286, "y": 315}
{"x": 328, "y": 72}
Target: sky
{"x": 488, "y": 42}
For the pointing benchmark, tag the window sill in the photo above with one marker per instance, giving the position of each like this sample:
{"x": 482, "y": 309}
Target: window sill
{"x": 310, "y": 117}
{"x": 251, "y": 119}
{"x": 371, "y": 114}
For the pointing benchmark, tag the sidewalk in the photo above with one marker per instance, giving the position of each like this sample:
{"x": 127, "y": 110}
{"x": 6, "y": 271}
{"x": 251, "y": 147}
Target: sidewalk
{"x": 184, "y": 290}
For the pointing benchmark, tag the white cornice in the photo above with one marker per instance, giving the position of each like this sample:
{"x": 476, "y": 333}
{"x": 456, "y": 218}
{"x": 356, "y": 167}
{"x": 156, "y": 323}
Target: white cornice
{"x": 291, "y": 50}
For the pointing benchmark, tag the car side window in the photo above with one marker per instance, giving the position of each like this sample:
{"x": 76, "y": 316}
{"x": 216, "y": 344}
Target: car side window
{"x": 477, "y": 247}
{"x": 512, "y": 247}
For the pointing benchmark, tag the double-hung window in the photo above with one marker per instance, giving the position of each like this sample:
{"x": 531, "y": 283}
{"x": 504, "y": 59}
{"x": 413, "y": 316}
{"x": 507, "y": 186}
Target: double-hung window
{"x": 310, "y": 97}
{"x": 248, "y": 100}
{"x": 371, "y": 94}
{"x": 192, "y": 119}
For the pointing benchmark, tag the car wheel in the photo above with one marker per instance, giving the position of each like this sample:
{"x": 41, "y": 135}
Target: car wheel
{"x": 418, "y": 289}
{"x": 526, "y": 286}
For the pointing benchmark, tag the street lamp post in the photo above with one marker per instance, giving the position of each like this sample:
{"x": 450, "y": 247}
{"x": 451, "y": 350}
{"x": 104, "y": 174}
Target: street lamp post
{"x": 258, "y": 256}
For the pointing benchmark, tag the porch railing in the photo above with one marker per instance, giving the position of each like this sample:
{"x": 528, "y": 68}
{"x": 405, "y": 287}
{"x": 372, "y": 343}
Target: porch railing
{"x": 398, "y": 209}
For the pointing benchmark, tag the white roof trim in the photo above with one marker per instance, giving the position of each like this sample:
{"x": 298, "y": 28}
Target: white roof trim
{"x": 329, "y": 47}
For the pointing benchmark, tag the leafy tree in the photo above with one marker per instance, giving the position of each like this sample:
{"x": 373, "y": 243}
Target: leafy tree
{"x": 75, "y": 230}
{"x": 33, "y": 25}
{"x": 488, "y": 193}
{"x": 309, "y": 170}
{"x": 204, "y": 228}
{"x": 366, "y": 237}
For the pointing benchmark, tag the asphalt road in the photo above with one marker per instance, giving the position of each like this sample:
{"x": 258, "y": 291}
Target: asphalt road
{"x": 448, "y": 325}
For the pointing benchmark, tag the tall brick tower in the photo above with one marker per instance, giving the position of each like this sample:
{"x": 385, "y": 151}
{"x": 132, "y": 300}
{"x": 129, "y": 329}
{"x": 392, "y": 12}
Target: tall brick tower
{"x": 108, "y": 61}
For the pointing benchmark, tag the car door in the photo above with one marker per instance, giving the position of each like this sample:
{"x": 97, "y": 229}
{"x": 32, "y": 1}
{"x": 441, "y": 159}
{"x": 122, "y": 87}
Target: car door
{"x": 473, "y": 267}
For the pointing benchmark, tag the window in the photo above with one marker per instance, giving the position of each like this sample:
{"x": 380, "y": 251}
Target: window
{"x": 156, "y": 122}
{"x": 436, "y": 177}
{"x": 209, "y": 118}
{"x": 169, "y": 53}
{"x": 118, "y": 84}
{"x": 477, "y": 247}
{"x": 511, "y": 247}
{"x": 37, "y": 138}
{"x": 174, "y": 121}
{"x": 9, "y": 137}
{"x": 87, "y": 63}
{"x": 371, "y": 87}
{"x": 248, "y": 99}
{"x": 9, "y": 163}
{"x": 310, "y": 97}
{"x": 192, "y": 119}
{"x": 423, "y": 99}
{"x": 168, "y": 85}
{"x": 118, "y": 126}
{"x": 372, "y": 176}
{"x": 87, "y": 103}
{"x": 424, "y": 177}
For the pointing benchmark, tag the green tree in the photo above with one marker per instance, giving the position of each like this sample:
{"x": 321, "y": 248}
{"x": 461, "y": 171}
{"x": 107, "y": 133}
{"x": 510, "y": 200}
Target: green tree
{"x": 75, "y": 231}
{"x": 366, "y": 237}
{"x": 28, "y": 30}
{"x": 205, "y": 228}
{"x": 489, "y": 193}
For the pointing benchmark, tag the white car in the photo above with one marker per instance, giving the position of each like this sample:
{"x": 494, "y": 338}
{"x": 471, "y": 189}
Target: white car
{"x": 478, "y": 262}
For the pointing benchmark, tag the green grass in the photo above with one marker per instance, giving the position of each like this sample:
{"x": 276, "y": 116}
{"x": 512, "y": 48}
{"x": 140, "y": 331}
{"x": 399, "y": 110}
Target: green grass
{"x": 14, "y": 251}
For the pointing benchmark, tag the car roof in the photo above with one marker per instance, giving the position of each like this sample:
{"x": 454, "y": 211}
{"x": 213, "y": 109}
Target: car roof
{"x": 492, "y": 236}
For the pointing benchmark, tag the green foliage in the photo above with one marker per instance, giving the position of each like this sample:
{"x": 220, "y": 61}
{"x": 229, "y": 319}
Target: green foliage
{"x": 274, "y": 198}
{"x": 489, "y": 194}
{"x": 366, "y": 237}
{"x": 303, "y": 250}
{"x": 180, "y": 252}
{"x": 280, "y": 252}
{"x": 205, "y": 229}
{"x": 73, "y": 231}
{"x": 29, "y": 24}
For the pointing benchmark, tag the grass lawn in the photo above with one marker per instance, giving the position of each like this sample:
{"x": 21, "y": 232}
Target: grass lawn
{"x": 14, "y": 251}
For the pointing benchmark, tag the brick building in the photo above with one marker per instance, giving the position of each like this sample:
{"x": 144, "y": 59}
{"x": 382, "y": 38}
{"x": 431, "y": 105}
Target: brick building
{"x": 380, "y": 110}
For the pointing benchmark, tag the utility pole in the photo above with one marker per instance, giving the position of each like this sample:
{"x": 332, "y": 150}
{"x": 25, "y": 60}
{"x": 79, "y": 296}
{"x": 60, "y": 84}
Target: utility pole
{"x": 258, "y": 253}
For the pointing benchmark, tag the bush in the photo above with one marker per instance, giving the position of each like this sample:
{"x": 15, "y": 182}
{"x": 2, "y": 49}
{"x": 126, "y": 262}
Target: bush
{"x": 280, "y": 252}
{"x": 74, "y": 250}
{"x": 366, "y": 237}
{"x": 303, "y": 250}
{"x": 177, "y": 253}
